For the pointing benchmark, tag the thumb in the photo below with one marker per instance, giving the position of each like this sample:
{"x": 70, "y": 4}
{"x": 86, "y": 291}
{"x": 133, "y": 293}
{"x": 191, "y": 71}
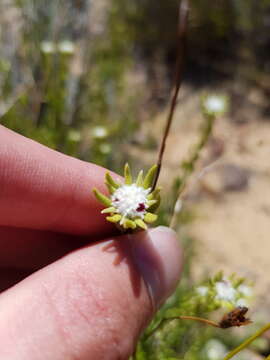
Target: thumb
{"x": 93, "y": 303}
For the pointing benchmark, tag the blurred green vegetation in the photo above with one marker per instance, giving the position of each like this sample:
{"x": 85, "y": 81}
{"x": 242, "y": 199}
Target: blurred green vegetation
{"x": 67, "y": 80}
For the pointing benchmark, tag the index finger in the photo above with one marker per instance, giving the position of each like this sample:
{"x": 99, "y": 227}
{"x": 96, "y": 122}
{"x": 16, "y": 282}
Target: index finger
{"x": 43, "y": 189}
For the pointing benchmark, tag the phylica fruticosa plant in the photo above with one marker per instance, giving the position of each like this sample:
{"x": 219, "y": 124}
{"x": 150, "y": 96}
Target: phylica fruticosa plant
{"x": 131, "y": 205}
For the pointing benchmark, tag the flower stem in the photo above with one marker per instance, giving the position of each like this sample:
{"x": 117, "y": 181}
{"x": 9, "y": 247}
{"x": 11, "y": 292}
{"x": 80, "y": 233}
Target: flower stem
{"x": 182, "y": 317}
{"x": 247, "y": 342}
{"x": 180, "y": 60}
{"x": 190, "y": 164}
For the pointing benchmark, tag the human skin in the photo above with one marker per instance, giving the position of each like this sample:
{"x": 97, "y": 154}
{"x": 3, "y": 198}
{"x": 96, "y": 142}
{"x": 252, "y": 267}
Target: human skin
{"x": 72, "y": 288}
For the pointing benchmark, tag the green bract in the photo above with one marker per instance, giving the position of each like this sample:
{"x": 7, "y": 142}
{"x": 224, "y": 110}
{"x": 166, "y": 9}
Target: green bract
{"x": 131, "y": 205}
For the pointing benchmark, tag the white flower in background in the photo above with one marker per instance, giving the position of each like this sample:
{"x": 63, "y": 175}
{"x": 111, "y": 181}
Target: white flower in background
{"x": 225, "y": 291}
{"x": 66, "y": 47}
{"x": 215, "y": 349}
{"x": 202, "y": 290}
{"x": 244, "y": 290}
{"x": 99, "y": 132}
{"x": 47, "y": 47}
{"x": 215, "y": 104}
{"x": 105, "y": 148}
{"x": 178, "y": 206}
{"x": 74, "y": 135}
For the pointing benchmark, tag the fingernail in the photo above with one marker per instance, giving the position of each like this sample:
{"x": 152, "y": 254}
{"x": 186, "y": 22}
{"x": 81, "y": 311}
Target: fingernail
{"x": 158, "y": 257}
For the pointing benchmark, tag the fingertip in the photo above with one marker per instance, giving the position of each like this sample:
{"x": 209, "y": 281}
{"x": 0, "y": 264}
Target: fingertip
{"x": 158, "y": 255}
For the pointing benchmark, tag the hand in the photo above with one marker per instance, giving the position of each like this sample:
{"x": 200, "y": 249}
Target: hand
{"x": 65, "y": 294}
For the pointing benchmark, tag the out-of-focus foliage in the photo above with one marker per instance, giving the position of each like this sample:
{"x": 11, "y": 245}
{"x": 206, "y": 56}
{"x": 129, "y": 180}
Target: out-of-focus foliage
{"x": 63, "y": 77}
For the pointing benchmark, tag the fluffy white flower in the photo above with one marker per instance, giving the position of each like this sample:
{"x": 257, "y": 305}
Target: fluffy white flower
{"x": 105, "y": 148}
{"x": 48, "y": 47}
{"x": 130, "y": 200}
{"x": 225, "y": 291}
{"x": 215, "y": 104}
{"x": 99, "y": 132}
{"x": 66, "y": 47}
{"x": 215, "y": 349}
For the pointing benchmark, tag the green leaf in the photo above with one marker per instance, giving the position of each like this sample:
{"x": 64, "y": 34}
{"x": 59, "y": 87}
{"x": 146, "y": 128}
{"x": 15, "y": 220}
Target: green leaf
{"x": 155, "y": 206}
{"x": 154, "y": 195}
{"x": 127, "y": 174}
{"x": 111, "y": 181}
{"x": 108, "y": 210}
{"x": 149, "y": 217}
{"x": 139, "y": 180}
{"x": 151, "y": 202}
{"x": 149, "y": 178}
{"x": 129, "y": 224}
{"x": 141, "y": 224}
{"x": 102, "y": 198}
{"x": 114, "y": 218}
{"x": 110, "y": 187}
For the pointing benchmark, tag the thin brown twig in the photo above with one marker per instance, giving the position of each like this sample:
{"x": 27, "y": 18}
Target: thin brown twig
{"x": 179, "y": 70}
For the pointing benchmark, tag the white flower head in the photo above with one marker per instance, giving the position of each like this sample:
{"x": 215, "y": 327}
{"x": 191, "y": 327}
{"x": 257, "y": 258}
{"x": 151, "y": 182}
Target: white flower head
{"x": 66, "y": 47}
{"x": 225, "y": 291}
{"x": 131, "y": 201}
{"x": 99, "y": 132}
{"x": 105, "y": 148}
{"x": 215, "y": 104}
{"x": 215, "y": 349}
{"x": 47, "y": 47}
{"x": 131, "y": 205}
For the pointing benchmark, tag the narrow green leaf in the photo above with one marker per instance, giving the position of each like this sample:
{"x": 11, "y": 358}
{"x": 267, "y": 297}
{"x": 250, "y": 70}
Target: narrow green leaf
{"x": 110, "y": 187}
{"x": 102, "y": 198}
{"x": 149, "y": 217}
{"x": 154, "y": 195}
{"x": 114, "y": 218}
{"x": 149, "y": 178}
{"x": 127, "y": 174}
{"x": 108, "y": 210}
{"x": 141, "y": 224}
{"x": 151, "y": 202}
{"x": 129, "y": 224}
{"x": 139, "y": 180}
{"x": 111, "y": 181}
{"x": 155, "y": 206}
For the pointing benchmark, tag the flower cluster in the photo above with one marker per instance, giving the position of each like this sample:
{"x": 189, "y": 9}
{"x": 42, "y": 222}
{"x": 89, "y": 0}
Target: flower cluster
{"x": 131, "y": 205}
{"x": 64, "y": 47}
{"x": 225, "y": 292}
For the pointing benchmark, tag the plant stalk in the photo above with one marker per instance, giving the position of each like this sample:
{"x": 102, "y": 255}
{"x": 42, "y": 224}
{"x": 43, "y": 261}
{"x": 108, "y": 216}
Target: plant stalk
{"x": 182, "y": 317}
{"x": 179, "y": 70}
{"x": 191, "y": 163}
{"x": 247, "y": 342}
